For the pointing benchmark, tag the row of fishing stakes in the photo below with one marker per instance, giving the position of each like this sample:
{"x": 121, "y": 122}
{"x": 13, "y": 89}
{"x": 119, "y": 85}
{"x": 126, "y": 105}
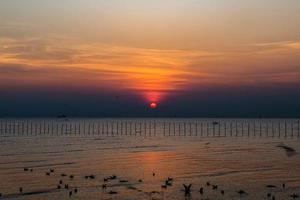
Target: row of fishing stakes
{"x": 204, "y": 128}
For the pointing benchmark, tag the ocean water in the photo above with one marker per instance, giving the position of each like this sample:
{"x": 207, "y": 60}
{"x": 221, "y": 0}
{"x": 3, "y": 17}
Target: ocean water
{"x": 235, "y": 154}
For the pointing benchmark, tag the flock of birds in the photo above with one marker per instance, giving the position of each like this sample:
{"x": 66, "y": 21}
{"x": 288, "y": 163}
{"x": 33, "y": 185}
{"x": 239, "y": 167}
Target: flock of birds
{"x": 62, "y": 184}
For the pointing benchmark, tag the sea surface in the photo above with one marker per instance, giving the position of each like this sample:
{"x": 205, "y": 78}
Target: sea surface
{"x": 135, "y": 165}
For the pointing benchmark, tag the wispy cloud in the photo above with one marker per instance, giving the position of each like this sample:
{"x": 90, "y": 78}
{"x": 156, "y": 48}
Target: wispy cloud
{"x": 71, "y": 61}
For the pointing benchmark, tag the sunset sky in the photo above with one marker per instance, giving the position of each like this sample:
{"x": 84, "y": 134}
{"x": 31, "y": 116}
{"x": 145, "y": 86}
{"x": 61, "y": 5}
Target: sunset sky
{"x": 113, "y": 57}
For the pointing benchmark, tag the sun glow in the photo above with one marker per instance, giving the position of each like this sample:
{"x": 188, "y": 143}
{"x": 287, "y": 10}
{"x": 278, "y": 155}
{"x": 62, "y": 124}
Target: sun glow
{"x": 153, "y": 105}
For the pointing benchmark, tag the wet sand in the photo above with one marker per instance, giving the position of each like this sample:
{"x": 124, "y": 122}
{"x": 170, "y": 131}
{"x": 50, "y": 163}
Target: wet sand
{"x": 128, "y": 167}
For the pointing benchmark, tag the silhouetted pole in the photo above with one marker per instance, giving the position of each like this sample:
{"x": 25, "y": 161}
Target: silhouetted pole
{"x": 242, "y": 128}
{"x": 285, "y": 129}
{"x": 225, "y": 128}
{"x": 298, "y": 129}
{"x": 155, "y": 128}
{"x": 219, "y": 126}
{"x": 135, "y": 128}
{"x": 44, "y": 127}
{"x": 267, "y": 128}
{"x": 207, "y": 127}
{"x": 279, "y": 129}
{"x": 140, "y": 128}
{"x": 179, "y": 128}
{"x": 201, "y": 129}
{"x": 273, "y": 132}
{"x": 248, "y": 129}
{"x": 13, "y": 127}
{"x": 231, "y": 128}
{"x": 107, "y": 127}
{"x": 2, "y": 127}
{"x": 26, "y": 128}
{"x": 236, "y": 129}
{"x": 174, "y": 128}
{"x": 260, "y": 128}
{"x": 48, "y": 127}
{"x": 292, "y": 127}
{"x": 52, "y": 128}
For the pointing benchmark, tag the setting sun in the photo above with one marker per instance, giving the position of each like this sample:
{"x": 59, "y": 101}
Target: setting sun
{"x": 153, "y": 105}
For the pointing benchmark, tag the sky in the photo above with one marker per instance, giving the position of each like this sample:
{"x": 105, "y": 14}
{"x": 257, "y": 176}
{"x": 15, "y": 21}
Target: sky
{"x": 194, "y": 58}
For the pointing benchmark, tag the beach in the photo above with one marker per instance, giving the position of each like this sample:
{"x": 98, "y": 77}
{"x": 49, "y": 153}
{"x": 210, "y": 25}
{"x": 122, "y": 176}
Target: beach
{"x": 148, "y": 167}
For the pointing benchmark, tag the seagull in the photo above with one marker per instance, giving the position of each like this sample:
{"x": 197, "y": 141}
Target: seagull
{"x": 201, "y": 190}
{"x": 241, "y": 192}
{"x": 214, "y": 187}
{"x": 187, "y": 189}
{"x": 113, "y": 192}
{"x": 164, "y": 186}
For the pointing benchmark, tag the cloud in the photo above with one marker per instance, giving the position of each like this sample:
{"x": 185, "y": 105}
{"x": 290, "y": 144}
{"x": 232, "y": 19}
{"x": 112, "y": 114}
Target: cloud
{"x": 64, "y": 60}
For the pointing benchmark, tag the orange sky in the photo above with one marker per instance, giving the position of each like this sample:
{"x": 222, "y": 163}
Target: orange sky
{"x": 153, "y": 48}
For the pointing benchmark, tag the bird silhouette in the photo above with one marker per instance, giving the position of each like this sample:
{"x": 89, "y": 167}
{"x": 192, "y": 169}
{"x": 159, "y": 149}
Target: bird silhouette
{"x": 113, "y": 192}
{"x": 164, "y": 186}
{"x": 201, "y": 190}
{"x": 214, "y": 187}
{"x": 187, "y": 189}
{"x": 241, "y": 192}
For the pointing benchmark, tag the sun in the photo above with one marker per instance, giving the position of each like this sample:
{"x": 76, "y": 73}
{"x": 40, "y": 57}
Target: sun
{"x": 153, "y": 105}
